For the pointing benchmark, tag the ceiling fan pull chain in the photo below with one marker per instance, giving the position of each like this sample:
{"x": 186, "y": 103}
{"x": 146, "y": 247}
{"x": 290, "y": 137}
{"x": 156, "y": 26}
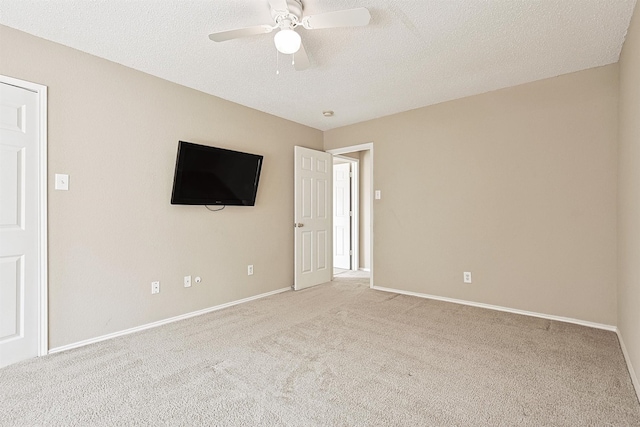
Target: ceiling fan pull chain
{"x": 277, "y": 63}
{"x": 293, "y": 60}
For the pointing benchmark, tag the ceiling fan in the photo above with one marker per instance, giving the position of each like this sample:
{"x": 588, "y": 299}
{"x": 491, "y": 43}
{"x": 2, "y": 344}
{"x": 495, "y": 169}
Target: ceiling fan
{"x": 287, "y": 15}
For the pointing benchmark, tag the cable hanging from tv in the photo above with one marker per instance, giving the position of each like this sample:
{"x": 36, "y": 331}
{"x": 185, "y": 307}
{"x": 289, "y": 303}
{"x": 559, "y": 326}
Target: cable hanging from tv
{"x": 215, "y": 210}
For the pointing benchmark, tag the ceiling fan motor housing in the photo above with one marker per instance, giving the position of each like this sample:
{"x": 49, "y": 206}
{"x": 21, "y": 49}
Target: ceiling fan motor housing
{"x": 294, "y": 14}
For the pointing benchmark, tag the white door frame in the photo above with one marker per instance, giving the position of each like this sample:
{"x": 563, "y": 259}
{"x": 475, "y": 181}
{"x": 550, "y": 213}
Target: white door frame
{"x": 355, "y": 209}
{"x": 363, "y": 147}
{"x": 43, "y": 324}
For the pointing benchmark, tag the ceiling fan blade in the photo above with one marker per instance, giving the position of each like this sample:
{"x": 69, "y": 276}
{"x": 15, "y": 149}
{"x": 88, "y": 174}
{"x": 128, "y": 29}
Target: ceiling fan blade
{"x": 222, "y": 36}
{"x": 341, "y": 18}
{"x": 279, "y": 5}
{"x": 300, "y": 59}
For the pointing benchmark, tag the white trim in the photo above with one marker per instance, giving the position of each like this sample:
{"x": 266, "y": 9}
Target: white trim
{"x": 44, "y": 275}
{"x": 351, "y": 148}
{"x": 500, "y": 308}
{"x": 365, "y": 269}
{"x": 355, "y": 215}
{"x": 164, "y": 322}
{"x": 344, "y": 159}
{"x": 364, "y": 147}
{"x": 43, "y": 324}
{"x": 632, "y": 372}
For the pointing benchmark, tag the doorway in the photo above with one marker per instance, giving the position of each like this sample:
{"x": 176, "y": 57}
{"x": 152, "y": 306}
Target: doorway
{"x": 361, "y": 203}
{"x": 346, "y": 213}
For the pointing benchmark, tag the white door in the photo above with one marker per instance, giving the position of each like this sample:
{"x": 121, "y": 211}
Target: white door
{"x": 342, "y": 216}
{"x": 312, "y": 216}
{"x": 19, "y": 224}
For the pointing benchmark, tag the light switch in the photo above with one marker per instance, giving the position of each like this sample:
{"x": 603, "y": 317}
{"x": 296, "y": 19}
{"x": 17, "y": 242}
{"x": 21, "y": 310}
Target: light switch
{"x": 378, "y": 195}
{"x": 62, "y": 181}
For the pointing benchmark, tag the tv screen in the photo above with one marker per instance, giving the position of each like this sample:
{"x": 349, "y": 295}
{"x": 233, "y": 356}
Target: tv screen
{"x": 215, "y": 176}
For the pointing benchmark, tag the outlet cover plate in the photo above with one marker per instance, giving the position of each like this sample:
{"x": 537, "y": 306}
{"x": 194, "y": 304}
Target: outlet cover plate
{"x": 62, "y": 182}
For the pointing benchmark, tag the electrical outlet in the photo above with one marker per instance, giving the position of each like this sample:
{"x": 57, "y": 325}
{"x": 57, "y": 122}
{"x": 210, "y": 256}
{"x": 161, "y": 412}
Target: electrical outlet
{"x": 155, "y": 287}
{"x": 198, "y": 279}
{"x": 187, "y": 281}
{"x": 250, "y": 270}
{"x": 466, "y": 276}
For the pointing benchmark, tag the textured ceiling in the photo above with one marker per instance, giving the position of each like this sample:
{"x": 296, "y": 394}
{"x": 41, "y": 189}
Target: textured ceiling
{"x": 414, "y": 52}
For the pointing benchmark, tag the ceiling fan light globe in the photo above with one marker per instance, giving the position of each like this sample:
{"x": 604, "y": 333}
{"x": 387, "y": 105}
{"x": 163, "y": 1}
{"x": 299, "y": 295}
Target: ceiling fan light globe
{"x": 287, "y": 41}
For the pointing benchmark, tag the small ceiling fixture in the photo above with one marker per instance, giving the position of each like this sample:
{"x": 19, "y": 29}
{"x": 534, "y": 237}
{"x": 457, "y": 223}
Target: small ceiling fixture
{"x": 327, "y": 113}
{"x": 287, "y": 41}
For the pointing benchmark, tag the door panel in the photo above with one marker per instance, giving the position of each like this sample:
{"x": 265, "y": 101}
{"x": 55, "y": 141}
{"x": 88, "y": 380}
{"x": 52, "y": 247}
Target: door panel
{"x": 19, "y": 222}
{"x": 11, "y": 187}
{"x": 323, "y": 250}
{"x": 11, "y": 289}
{"x": 313, "y": 204}
{"x": 321, "y": 198}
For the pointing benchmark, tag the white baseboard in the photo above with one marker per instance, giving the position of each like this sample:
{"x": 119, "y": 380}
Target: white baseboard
{"x": 163, "y": 322}
{"x": 500, "y": 308}
{"x": 632, "y": 372}
{"x": 365, "y": 269}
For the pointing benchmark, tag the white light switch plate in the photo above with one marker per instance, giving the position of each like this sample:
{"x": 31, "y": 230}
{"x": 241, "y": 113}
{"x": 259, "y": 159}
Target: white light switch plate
{"x": 378, "y": 195}
{"x": 62, "y": 181}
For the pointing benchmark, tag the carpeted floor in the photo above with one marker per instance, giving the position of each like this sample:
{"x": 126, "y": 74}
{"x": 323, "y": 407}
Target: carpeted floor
{"x": 341, "y": 273}
{"x": 339, "y": 354}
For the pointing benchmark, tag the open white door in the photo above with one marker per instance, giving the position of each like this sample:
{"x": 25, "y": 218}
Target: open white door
{"x": 313, "y": 217}
{"x": 342, "y": 216}
{"x": 19, "y": 224}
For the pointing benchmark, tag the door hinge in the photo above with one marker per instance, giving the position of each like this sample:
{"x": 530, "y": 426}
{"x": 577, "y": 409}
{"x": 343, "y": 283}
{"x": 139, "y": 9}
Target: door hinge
{"x": 350, "y": 174}
{"x": 350, "y": 252}
{"x": 350, "y": 213}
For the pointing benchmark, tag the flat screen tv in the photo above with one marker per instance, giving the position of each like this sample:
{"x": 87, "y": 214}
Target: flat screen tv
{"x": 215, "y": 176}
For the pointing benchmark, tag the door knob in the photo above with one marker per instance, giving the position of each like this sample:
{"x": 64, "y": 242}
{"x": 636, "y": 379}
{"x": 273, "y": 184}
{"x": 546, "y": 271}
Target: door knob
{"x": 298, "y": 224}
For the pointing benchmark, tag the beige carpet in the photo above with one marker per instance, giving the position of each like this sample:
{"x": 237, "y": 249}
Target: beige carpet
{"x": 341, "y": 273}
{"x": 341, "y": 355}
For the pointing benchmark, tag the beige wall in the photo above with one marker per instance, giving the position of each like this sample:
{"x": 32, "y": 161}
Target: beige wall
{"x": 115, "y": 132}
{"x": 365, "y": 213}
{"x": 629, "y": 195}
{"x": 517, "y": 186}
